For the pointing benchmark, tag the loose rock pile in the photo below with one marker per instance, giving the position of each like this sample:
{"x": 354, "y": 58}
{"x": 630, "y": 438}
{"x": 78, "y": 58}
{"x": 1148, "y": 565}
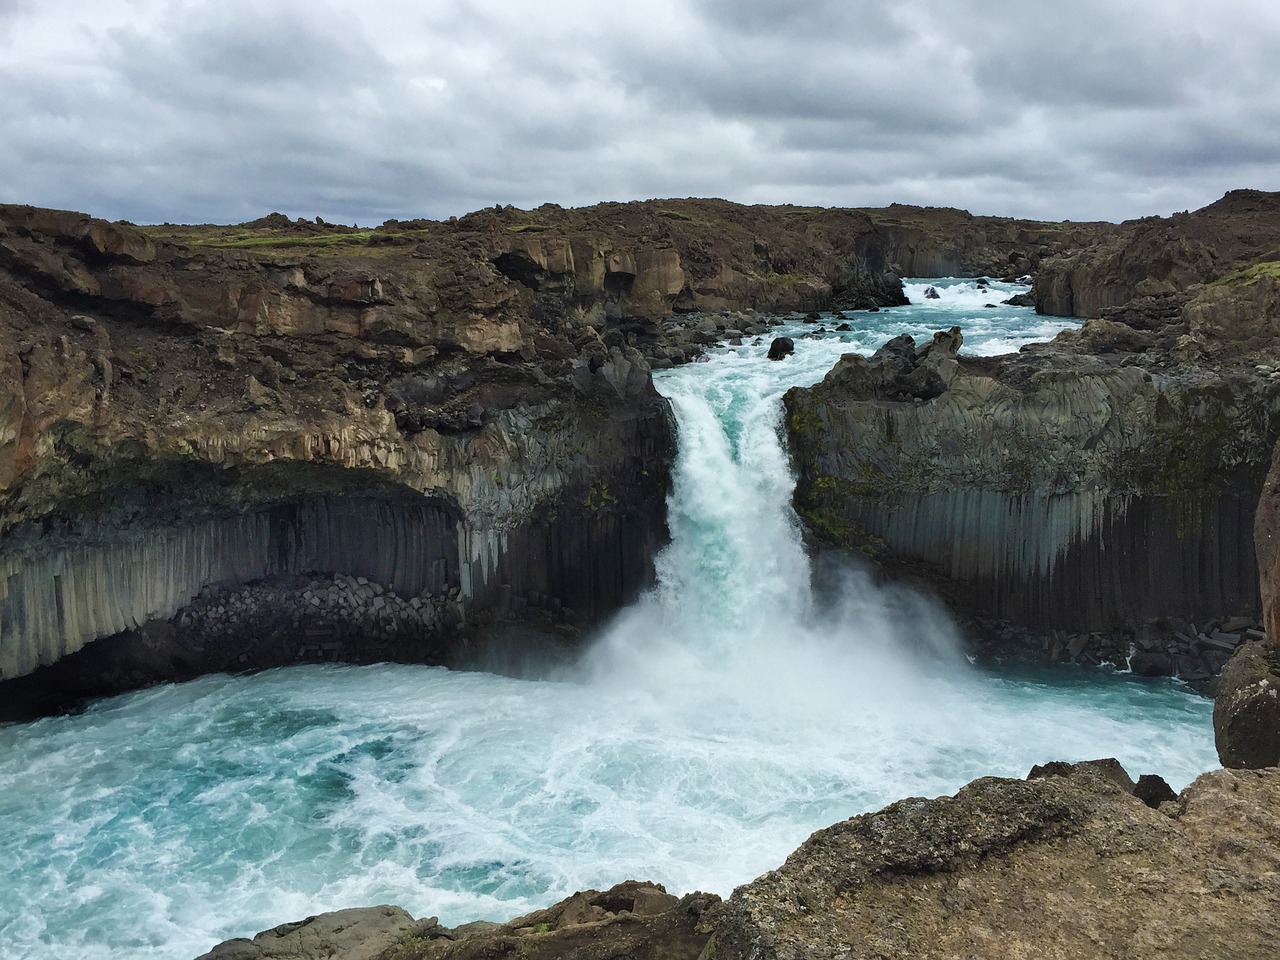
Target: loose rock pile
{"x": 682, "y": 338}
{"x": 337, "y": 617}
{"x": 1157, "y": 648}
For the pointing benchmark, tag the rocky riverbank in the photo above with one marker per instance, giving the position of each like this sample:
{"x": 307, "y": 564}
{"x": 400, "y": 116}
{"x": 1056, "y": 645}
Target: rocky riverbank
{"x": 1075, "y": 861}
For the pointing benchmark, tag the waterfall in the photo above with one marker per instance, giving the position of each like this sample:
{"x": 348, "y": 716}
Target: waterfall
{"x": 711, "y": 728}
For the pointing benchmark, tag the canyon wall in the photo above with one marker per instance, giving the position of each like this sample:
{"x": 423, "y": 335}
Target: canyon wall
{"x": 1098, "y": 491}
{"x": 200, "y": 425}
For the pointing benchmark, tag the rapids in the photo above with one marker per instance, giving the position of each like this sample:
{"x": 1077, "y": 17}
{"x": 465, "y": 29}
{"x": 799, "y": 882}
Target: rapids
{"x": 709, "y": 729}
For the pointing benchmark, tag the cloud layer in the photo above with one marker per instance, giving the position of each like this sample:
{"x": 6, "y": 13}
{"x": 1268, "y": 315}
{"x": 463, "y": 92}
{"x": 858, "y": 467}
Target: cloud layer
{"x": 222, "y": 110}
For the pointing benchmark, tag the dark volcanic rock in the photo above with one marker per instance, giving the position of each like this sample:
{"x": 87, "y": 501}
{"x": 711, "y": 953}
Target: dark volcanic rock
{"x": 781, "y": 347}
{"x": 1246, "y": 710}
{"x": 1051, "y": 488}
{"x": 1153, "y": 791}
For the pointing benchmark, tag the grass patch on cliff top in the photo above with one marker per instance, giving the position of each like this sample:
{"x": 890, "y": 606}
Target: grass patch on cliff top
{"x": 1242, "y": 276}
{"x": 362, "y": 242}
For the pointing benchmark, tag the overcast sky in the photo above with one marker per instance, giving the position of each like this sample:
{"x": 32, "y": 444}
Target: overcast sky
{"x": 224, "y": 110}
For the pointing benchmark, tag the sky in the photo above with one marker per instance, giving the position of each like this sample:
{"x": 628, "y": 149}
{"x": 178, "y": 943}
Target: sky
{"x": 221, "y": 111}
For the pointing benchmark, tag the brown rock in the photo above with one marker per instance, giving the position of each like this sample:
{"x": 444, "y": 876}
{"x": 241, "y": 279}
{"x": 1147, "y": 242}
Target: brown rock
{"x": 1057, "y": 867}
{"x": 361, "y": 933}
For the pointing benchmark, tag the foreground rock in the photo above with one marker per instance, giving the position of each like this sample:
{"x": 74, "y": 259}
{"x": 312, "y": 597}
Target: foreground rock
{"x": 1246, "y": 709}
{"x": 1074, "y": 861}
{"x": 633, "y": 919}
{"x": 1059, "y": 866}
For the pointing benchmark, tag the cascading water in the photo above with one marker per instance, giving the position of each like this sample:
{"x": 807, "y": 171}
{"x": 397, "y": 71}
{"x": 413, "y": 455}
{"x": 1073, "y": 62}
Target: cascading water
{"x": 714, "y": 725}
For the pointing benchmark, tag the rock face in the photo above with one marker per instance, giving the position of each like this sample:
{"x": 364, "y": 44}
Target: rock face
{"x": 177, "y": 421}
{"x": 1058, "y": 866}
{"x": 632, "y": 919}
{"x": 1246, "y": 709}
{"x": 1053, "y": 488}
{"x": 1209, "y": 277}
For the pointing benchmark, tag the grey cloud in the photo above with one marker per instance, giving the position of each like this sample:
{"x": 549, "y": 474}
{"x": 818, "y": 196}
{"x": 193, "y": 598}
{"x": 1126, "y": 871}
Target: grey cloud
{"x": 224, "y": 110}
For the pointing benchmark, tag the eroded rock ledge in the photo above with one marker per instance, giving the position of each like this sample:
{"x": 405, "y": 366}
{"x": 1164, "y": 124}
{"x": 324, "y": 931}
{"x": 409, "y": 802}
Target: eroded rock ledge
{"x": 1067, "y": 863}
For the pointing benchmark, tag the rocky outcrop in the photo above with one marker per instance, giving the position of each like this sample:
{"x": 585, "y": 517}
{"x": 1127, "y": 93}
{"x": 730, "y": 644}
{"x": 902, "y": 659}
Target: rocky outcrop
{"x": 1246, "y": 709}
{"x": 204, "y": 421}
{"x": 1053, "y": 489}
{"x": 359, "y": 933}
{"x": 1207, "y": 279}
{"x": 1099, "y": 491}
{"x": 631, "y": 919}
{"x": 459, "y": 413}
{"x": 1054, "y": 866}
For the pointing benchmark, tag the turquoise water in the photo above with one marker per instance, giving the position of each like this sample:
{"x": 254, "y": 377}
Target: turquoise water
{"x": 709, "y": 730}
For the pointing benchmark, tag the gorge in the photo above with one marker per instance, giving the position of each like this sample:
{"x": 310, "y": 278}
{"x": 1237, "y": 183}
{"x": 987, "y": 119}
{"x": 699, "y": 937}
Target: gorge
{"x": 514, "y": 463}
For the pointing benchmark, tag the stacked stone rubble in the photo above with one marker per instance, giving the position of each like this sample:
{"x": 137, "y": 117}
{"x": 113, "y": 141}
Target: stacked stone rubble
{"x": 336, "y": 617}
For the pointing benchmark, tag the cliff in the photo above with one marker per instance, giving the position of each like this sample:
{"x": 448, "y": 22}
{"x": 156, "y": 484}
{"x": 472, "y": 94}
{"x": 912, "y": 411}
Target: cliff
{"x": 234, "y": 447}
{"x": 1098, "y": 491}
{"x": 1208, "y": 277}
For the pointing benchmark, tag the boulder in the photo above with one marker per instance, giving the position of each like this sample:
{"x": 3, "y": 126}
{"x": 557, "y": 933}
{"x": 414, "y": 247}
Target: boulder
{"x": 781, "y": 347}
{"x": 360, "y": 933}
{"x": 632, "y": 919}
{"x": 1246, "y": 710}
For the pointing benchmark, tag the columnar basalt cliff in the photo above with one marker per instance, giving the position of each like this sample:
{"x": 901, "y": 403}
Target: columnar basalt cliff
{"x": 1101, "y": 489}
{"x": 231, "y": 447}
